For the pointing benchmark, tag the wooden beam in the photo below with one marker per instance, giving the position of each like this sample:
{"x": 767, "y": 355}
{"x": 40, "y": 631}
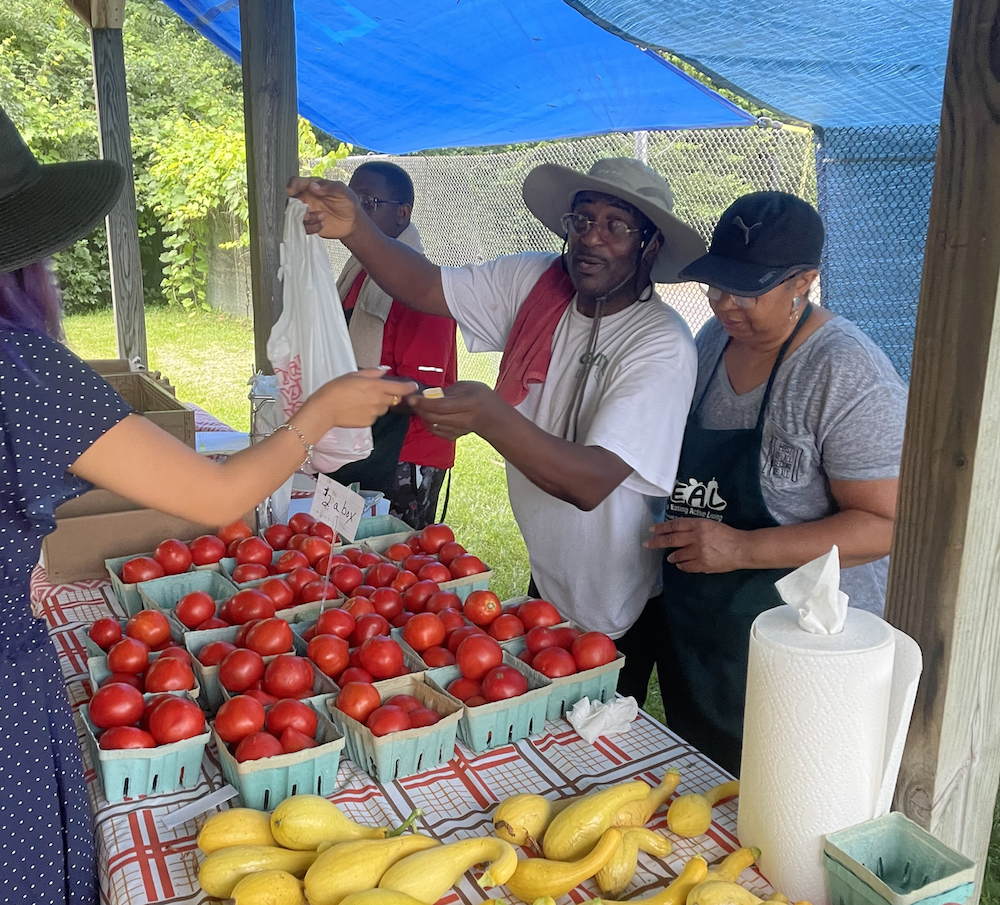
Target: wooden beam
{"x": 107, "y": 13}
{"x": 122, "y": 222}
{"x": 944, "y": 582}
{"x": 82, "y": 9}
{"x": 267, "y": 33}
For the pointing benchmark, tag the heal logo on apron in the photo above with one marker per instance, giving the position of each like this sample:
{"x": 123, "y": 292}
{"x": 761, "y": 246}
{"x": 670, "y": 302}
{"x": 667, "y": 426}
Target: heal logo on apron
{"x": 694, "y": 498}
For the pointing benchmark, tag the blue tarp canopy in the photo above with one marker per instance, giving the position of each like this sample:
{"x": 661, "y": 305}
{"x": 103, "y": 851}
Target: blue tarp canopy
{"x": 396, "y": 76}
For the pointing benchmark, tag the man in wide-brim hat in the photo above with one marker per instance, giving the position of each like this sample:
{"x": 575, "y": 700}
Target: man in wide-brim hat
{"x": 595, "y": 381}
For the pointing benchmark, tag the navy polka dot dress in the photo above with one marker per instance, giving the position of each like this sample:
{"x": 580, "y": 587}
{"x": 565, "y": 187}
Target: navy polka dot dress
{"x": 53, "y": 407}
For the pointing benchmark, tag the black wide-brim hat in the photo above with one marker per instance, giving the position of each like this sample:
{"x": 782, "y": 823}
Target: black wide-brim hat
{"x": 45, "y": 208}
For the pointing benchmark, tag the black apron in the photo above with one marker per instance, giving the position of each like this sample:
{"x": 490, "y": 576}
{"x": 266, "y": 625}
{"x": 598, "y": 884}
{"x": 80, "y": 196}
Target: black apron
{"x": 703, "y": 667}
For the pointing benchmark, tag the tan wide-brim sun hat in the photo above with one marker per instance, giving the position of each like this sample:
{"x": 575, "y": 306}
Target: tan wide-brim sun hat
{"x": 549, "y": 191}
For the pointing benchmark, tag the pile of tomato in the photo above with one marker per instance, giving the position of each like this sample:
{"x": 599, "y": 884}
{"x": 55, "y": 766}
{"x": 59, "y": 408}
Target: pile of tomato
{"x": 433, "y": 554}
{"x": 129, "y": 655}
{"x": 399, "y": 712}
{"x": 245, "y": 671}
{"x": 252, "y": 730}
{"x": 565, "y": 651}
{"x": 125, "y": 719}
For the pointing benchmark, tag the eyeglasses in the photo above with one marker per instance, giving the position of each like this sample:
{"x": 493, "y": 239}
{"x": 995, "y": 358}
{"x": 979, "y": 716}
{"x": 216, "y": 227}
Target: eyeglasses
{"x": 370, "y": 203}
{"x": 580, "y": 225}
{"x": 746, "y": 302}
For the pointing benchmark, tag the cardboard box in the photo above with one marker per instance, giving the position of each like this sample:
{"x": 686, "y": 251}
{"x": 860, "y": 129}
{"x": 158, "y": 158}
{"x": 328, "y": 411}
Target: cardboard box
{"x": 148, "y": 398}
{"x": 107, "y": 366}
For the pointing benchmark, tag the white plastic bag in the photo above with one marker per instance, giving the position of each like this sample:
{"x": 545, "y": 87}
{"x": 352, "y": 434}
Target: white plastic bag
{"x": 309, "y": 344}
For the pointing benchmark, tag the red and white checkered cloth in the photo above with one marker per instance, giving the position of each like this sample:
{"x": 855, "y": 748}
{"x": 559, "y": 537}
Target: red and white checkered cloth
{"x": 141, "y": 861}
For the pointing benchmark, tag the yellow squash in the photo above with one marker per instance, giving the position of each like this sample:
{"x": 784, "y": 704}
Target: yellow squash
{"x": 576, "y": 830}
{"x": 691, "y": 815}
{"x": 637, "y": 813}
{"x": 379, "y": 897}
{"x": 303, "y": 822}
{"x": 237, "y": 826}
{"x": 351, "y": 867}
{"x": 733, "y": 865}
{"x": 721, "y": 892}
{"x": 428, "y": 875}
{"x": 269, "y": 887}
{"x": 615, "y": 876}
{"x": 222, "y": 870}
{"x": 675, "y": 893}
{"x": 522, "y": 819}
{"x": 536, "y": 877}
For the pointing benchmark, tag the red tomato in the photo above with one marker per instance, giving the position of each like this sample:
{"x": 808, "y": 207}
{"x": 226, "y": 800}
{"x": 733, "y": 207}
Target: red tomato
{"x": 452, "y": 620}
{"x": 566, "y": 635}
{"x": 355, "y": 674}
{"x": 176, "y": 652}
{"x": 387, "y": 602}
{"x": 120, "y": 737}
{"x": 538, "y": 613}
{"x": 239, "y": 669}
{"x": 214, "y": 622}
{"x": 367, "y": 558}
{"x": 416, "y": 561}
{"x": 398, "y": 552}
{"x": 477, "y": 655}
{"x": 176, "y": 719}
{"x": 423, "y": 717}
{"x": 279, "y": 590}
{"x": 438, "y": 656}
{"x": 292, "y": 740}
{"x": 434, "y": 537}
{"x": 240, "y": 639}
{"x": 116, "y": 704}
{"x": 291, "y": 713}
{"x": 194, "y": 608}
{"x": 368, "y": 626}
{"x": 540, "y": 638}
{"x": 358, "y": 700}
{"x": 443, "y": 600}
{"x": 249, "y": 604}
{"x": 151, "y": 706}
{"x": 424, "y": 630}
{"x": 323, "y": 530}
{"x": 382, "y": 657}
{"x": 386, "y": 719}
{"x": 234, "y": 531}
{"x": 505, "y": 627}
{"x": 213, "y": 652}
{"x": 105, "y": 632}
{"x": 358, "y": 606}
{"x": 477, "y": 700}
{"x": 434, "y": 571}
{"x": 335, "y": 621}
{"x": 405, "y": 702}
{"x": 259, "y": 695}
{"x": 382, "y": 574}
{"x": 330, "y": 653}
{"x": 270, "y": 636}
{"x": 250, "y": 571}
{"x": 174, "y": 556}
{"x": 289, "y": 676}
{"x": 127, "y": 678}
{"x": 526, "y": 656}
{"x": 457, "y": 636}
{"x": 593, "y": 649}
{"x": 291, "y": 560}
{"x": 142, "y": 568}
{"x": 413, "y": 542}
{"x": 299, "y": 577}
{"x": 207, "y": 549}
{"x": 315, "y": 548}
{"x": 169, "y": 674}
{"x": 329, "y": 563}
{"x": 353, "y": 554}
{"x": 239, "y": 717}
{"x": 463, "y": 688}
{"x": 278, "y": 536}
{"x": 309, "y": 633}
{"x": 554, "y": 662}
{"x": 481, "y": 607}
{"x": 231, "y": 547}
{"x": 296, "y": 541}
{"x": 364, "y": 590}
{"x": 415, "y": 598}
{"x": 301, "y": 522}
{"x": 504, "y": 682}
{"x": 466, "y": 564}
{"x": 321, "y": 589}
{"x": 449, "y": 551}
{"x": 347, "y": 578}
{"x": 128, "y": 655}
{"x": 254, "y": 549}
{"x": 257, "y": 746}
{"x": 401, "y": 620}
{"x": 403, "y": 581}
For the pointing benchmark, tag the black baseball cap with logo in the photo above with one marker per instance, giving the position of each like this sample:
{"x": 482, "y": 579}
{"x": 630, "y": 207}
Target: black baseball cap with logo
{"x": 760, "y": 241}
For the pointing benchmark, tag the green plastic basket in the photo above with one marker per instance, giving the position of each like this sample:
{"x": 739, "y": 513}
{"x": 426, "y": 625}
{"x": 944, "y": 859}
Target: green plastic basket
{"x": 402, "y": 754}
{"x": 382, "y": 531}
{"x": 264, "y": 783}
{"x": 164, "y": 593}
{"x": 129, "y": 773}
{"x": 893, "y": 861}
{"x": 502, "y": 722}
{"x": 128, "y": 594}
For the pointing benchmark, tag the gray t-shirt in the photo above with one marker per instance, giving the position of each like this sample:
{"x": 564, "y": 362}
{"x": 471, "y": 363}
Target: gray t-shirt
{"x": 837, "y": 410}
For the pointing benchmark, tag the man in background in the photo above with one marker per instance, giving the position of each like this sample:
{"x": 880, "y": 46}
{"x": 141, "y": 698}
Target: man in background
{"x": 408, "y": 463}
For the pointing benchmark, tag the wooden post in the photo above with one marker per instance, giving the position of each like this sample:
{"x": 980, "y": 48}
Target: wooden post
{"x": 944, "y": 582}
{"x": 106, "y": 19}
{"x": 267, "y": 36}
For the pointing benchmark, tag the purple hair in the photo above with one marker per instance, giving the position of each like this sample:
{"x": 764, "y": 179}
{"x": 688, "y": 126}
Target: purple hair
{"x": 30, "y": 300}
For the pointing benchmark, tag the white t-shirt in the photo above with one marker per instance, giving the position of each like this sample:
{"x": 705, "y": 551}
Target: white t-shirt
{"x": 591, "y": 565}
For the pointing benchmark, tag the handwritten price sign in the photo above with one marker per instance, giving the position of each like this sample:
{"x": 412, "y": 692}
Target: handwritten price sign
{"x": 336, "y": 506}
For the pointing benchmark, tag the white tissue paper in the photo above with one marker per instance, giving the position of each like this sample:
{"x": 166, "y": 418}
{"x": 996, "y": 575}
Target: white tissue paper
{"x": 592, "y": 719}
{"x": 827, "y": 710}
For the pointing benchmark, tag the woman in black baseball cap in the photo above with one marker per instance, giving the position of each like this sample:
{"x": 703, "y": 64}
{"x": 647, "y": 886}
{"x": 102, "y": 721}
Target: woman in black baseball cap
{"x": 62, "y": 429}
{"x": 792, "y": 446}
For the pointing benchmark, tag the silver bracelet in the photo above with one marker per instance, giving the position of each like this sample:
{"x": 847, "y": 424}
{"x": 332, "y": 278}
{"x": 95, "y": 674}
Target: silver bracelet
{"x": 307, "y": 446}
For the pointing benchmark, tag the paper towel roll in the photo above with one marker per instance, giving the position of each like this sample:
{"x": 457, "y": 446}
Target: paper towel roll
{"x": 814, "y": 741}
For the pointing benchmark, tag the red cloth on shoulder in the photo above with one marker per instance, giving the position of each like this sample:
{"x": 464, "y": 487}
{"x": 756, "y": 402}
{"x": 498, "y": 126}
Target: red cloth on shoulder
{"x": 528, "y": 350}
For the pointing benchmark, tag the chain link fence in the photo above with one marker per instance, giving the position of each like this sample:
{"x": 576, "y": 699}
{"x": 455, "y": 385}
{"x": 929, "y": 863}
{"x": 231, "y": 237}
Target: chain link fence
{"x": 469, "y": 207}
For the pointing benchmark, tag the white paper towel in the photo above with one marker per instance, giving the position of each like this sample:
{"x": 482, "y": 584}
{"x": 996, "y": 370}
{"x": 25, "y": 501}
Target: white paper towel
{"x": 826, "y": 719}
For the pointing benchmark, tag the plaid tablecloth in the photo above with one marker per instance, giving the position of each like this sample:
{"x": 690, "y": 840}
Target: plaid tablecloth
{"x": 141, "y": 860}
